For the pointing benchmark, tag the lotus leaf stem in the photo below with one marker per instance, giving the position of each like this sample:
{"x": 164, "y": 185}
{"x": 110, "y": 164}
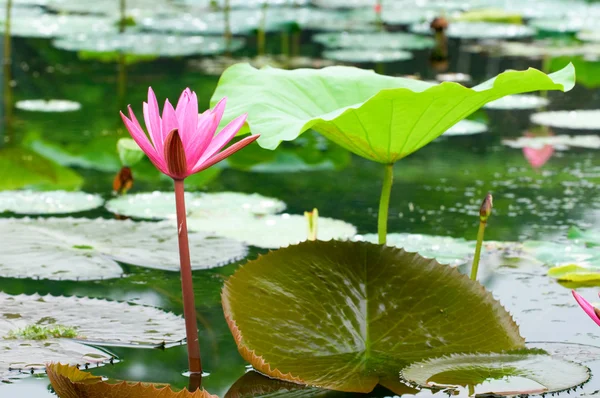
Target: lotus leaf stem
{"x": 7, "y": 64}
{"x": 384, "y": 203}
{"x": 189, "y": 307}
{"x": 484, "y": 213}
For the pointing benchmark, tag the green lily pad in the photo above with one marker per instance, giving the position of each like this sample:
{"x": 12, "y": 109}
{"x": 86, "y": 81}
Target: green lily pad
{"x": 375, "y": 40}
{"x": 575, "y": 273}
{"x": 590, "y": 237}
{"x": 113, "y": 322}
{"x": 50, "y": 202}
{"x": 480, "y": 30}
{"x": 55, "y": 25}
{"x": 367, "y": 56}
{"x": 466, "y": 127}
{"x": 559, "y": 142}
{"x": 52, "y": 105}
{"x": 161, "y": 205}
{"x": 147, "y": 44}
{"x": 377, "y": 117}
{"x": 589, "y": 35}
{"x": 497, "y": 15}
{"x": 21, "y": 168}
{"x": 267, "y": 231}
{"x": 444, "y": 249}
{"x": 22, "y": 358}
{"x": 552, "y": 254}
{"x": 581, "y": 119}
{"x": 349, "y": 315}
{"x": 83, "y": 249}
{"x": 542, "y": 49}
{"x": 498, "y": 374}
{"x": 524, "y": 101}
{"x": 563, "y": 25}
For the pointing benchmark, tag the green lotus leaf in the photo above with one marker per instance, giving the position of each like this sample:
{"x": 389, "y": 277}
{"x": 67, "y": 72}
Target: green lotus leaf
{"x": 349, "y": 315}
{"x": 590, "y": 237}
{"x": 380, "y": 118}
{"x": 575, "y": 273}
{"x": 498, "y": 374}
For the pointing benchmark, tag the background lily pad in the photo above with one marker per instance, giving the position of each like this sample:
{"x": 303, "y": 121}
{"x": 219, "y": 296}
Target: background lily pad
{"x": 53, "y": 105}
{"x": 112, "y": 323}
{"x": 49, "y": 202}
{"x": 480, "y": 30}
{"x": 83, "y": 249}
{"x": 375, "y": 40}
{"x": 466, "y": 127}
{"x": 161, "y": 205}
{"x": 518, "y": 102}
{"x": 576, "y": 119}
{"x": 559, "y": 142}
{"x": 499, "y": 374}
{"x": 367, "y": 55}
{"x": 377, "y": 117}
{"x": 268, "y": 231}
{"x": 350, "y": 315}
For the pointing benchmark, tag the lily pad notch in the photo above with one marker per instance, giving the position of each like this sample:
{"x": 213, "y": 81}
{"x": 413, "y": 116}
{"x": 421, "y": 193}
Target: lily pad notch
{"x": 380, "y": 118}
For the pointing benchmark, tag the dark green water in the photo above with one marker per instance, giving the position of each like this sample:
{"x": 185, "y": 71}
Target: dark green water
{"x": 437, "y": 191}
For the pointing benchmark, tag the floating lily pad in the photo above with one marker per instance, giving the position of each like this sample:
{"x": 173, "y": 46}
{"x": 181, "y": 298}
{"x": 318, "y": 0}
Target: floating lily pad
{"x": 83, "y": 249}
{"x": 69, "y": 381}
{"x": 409, "y": 15}
{"x": 542, "y": 49}
{"x": 20, "y": 12}
{"x": 53, "y": 25}
{"x": 161, "y": 205}
{"x": 590, "y": 237}
{"x": 367, "y": 55}
{"x": 143, "y": 44}
{"x": 134, "y": 8}
{"x": 51, "y": 202}
{"x": 21, "y": 358}
{"x": 589, "y": 35}
{"x": 563, "y": 25}
{"x": 375, "y": 40}
{"x": 380, "y": 118}
{"x": 575, "y": 273}
{"x": 268, "y": 231}
{"x": 553, "y": 254}
{"x": 574, "y": 352}
{"x": 466, "y": 127}
{"x": 498, "y": 374}
{"x": 576, "y": 119}
{"x": 559, "y": 142}
{"x": 480, "y": 30}
{"x": 100, "y": 322}
{"x": 444, "y": 249}
{"x": 523, "y": 101}
{"x": 349, "y": 315}
{"x": 453, "y": 77}
{"x": 53, "y": 105}
{"x": 497, "y": 15}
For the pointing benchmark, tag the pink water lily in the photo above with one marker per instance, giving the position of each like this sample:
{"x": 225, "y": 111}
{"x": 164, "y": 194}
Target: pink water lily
{"x": 181, "y": 142}
{"x": 589, "y": 309}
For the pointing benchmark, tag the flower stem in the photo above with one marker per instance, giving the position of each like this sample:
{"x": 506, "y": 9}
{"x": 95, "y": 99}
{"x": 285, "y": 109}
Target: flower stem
{"x": 384, "y": 203}
{"x": 189, "y": 308}
{"x": 7, "y": 66}
{"x": 480, "y": 233}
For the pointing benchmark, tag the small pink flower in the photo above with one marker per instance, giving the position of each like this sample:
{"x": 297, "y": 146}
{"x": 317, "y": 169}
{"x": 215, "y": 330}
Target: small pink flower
{"x": 182, "y": 142}
{"x": 589, "y": 309}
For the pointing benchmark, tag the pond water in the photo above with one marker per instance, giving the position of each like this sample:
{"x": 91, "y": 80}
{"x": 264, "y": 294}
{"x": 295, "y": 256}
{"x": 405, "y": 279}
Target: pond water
{"x": 437, "y": 191}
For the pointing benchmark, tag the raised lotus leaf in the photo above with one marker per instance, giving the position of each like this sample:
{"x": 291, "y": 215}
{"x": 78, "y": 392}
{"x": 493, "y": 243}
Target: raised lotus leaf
{"x": 112, "y": 323}
{"x": 349, "y": 315}
{"x": 380, "y": 118}
{"x": 84, "y": 249}
{"x": 70, "y": 382}
{"x": 498, "y": 374}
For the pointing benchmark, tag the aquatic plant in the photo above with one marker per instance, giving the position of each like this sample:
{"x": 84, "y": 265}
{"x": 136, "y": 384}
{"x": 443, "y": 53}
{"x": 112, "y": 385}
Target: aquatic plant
{"x": 381, "y": 118}
{"x": 42, "y": 332}
{"x": 589, "y": 309}
{"x": 183, "y": 143}
{"x": 484, "y": 213}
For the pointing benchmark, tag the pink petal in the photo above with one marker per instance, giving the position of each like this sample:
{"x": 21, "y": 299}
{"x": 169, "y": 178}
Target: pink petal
{"x": 169, "y": 118}
{"x": 227, "y": 152}
{"x": 224, "y": 137}
{"x": 153, "y": 122}
{"x": 204, "y": 134}
{"x": 587, "y": 307}
{"x": 142, "y": 140}
{"x": 189, "y": 123}
{"x": 184, "y": 98}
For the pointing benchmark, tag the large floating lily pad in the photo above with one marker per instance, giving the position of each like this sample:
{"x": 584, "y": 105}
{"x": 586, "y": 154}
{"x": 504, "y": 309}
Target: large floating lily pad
{"x": 499, "y": 374}
{"x": 480, "y": 30}
{"x": 151, "y": 44}
{"x": 575, "y": 273}
{"x": 53, "y": 105}
{"x": 367, "y": 55}
{"x": 350, "y": 315}
{"x": 466, "y": 127}
{"x": 51, "y": 202}
{"x": 445, "y": 249}
{"x": 375, "y": 40}
{"x": 83, "y": 249}
{"x": 559, "y": 142}
{"x": 53, "y": 25}
{"x": 378, "y": 117}
{"x": 100, "y": 322}
{"x": 20, "y": 358}
{"x": 518, "y": 102}
{"x": 575, "y": 120}
{"x": 161, "y": 205}
{"x": 268, "y": 231}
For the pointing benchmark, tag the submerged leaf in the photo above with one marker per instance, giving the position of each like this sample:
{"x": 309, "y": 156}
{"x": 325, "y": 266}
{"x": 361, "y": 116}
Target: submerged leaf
{"x": 70, "y": 382}
{"x": 498, "y": 374}
{"x": 350, "y": 315}
{"x": 84, "y": 249}
{"x": 380, "y": 118}
{"x": 112, "y": 323}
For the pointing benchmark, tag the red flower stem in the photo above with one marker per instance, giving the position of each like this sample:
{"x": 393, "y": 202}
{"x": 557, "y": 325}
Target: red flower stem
{"x": 189, "y": 308}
